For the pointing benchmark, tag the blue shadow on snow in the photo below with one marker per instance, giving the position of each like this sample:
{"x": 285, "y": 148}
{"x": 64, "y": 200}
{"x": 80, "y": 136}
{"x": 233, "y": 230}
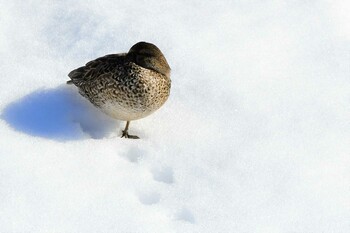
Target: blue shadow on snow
{"x": 60, "y": 114}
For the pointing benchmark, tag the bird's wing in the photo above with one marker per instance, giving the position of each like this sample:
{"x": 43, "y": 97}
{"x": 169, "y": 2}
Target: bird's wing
{"x": 96, "y": 68}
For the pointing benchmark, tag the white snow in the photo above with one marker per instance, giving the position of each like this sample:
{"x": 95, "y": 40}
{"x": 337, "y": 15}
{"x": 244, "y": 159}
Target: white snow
{"x": 255, "y": 136}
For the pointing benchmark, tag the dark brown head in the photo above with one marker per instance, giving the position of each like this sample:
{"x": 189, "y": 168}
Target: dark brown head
{"x": 150, "y": 57}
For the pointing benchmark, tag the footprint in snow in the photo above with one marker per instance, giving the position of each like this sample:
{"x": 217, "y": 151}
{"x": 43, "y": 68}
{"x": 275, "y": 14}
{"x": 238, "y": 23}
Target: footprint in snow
{"x": 134, "y": 154}
{"x": 185, "y": 215}
{"x": 149, "y": 198}
{"x": 163, "y": 174}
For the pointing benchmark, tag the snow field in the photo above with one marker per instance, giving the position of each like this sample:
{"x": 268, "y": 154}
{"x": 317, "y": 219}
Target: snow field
{"x": 254, "y": 137}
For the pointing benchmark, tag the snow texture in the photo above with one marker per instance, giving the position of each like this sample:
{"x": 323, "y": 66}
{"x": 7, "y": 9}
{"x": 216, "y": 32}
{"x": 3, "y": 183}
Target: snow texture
{"x": 255, "y": 136}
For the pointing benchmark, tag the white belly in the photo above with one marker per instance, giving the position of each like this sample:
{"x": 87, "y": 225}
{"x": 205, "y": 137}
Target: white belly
{"x": 115, "y": 110}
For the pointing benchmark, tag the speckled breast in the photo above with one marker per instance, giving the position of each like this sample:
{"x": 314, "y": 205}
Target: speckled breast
{"x": 129, "y": 93}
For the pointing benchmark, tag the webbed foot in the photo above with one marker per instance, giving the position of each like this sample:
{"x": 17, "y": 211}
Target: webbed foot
{"x": 126, "y": 135}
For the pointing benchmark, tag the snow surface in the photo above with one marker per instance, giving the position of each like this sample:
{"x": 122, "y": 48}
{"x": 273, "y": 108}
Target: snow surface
{"x": 254, "y": 138}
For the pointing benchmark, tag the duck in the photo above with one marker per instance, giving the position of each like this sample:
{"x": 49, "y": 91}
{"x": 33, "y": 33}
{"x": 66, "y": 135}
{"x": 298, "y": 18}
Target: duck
{"x": 126, "y": 86}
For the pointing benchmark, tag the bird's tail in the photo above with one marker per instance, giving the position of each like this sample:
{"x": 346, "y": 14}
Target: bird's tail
{"x": 76, "y": 74}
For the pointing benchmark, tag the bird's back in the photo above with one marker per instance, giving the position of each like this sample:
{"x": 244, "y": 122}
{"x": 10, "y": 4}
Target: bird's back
{"x": 95, "y": 68}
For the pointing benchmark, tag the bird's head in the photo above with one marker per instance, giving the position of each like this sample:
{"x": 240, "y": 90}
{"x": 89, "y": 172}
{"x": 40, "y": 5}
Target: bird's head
{"x": 150, "y": 57}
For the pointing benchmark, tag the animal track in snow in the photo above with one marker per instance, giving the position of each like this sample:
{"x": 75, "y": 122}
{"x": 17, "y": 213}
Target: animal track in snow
{"x": 164, "y": 174}
{"x": 185, "y": 215}
{"x": 134, "y": 155}
{"x": 149, "y": 198}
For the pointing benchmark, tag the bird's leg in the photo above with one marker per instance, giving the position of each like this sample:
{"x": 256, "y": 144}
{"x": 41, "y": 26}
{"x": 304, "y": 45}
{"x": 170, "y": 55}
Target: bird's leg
{"x": 125, "y": 132}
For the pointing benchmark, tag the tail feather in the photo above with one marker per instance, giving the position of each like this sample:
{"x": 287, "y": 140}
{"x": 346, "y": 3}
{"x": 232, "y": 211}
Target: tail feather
{"x": 76, "y": 74}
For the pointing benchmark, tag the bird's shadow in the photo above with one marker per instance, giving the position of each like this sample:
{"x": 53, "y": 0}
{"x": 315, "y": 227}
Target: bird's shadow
{"x": 60, "y": 114}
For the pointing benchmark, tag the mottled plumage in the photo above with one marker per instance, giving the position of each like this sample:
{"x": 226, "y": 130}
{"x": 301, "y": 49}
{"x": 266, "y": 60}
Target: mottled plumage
{"x": 126, "y": 86}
